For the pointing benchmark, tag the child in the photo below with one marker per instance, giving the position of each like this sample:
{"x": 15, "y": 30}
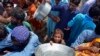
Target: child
{"x": 17, "y": 19}
{"x": 58, "y": 37}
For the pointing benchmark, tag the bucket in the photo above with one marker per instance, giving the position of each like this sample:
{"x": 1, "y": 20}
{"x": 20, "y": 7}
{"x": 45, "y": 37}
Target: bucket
{"x": 42, "y": 11}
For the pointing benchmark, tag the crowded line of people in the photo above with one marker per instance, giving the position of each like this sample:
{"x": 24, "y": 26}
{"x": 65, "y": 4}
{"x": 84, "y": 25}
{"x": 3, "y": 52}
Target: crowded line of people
{"x": 73, "y": 23}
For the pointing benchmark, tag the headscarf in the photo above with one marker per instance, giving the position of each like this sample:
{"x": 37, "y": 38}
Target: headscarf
{"x": 20, "y": 33}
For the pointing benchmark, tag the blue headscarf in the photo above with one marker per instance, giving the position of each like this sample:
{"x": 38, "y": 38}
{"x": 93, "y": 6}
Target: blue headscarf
{"x": 20, "y": 33}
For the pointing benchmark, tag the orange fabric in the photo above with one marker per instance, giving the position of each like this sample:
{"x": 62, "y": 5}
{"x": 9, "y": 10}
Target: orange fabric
{"x": 95, "y": 40}
{"x": 86, "y": 52}
{"x": 31, "y": 9}
{"x": 36, "y": 24}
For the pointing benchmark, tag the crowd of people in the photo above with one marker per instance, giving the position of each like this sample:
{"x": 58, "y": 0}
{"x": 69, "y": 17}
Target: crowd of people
{"x": 73, "y": 23}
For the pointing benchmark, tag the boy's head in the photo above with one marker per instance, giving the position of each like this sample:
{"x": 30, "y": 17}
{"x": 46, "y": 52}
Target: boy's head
{"x": 17, "y": 16}
{"x": 3, "y": 31}
{"x": 58, "y": 36}
{"x": 94, "y": 11}
{"x": 97, "y": 1}
{"x": 74, "y": 4}
{"x": 20, "y": 35}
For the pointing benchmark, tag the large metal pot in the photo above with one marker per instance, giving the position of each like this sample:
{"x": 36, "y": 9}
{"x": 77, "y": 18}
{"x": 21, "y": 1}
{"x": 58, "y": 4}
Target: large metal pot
{"x": 54, "y": 50}
{"x": 42, "y": 11}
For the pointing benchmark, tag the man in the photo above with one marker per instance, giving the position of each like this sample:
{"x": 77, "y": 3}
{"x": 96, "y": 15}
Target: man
{"x": 51, "y": 23}
{"x": 66, "y": 13}
{"x": 2, "y": 19}
{"x": 82, "y": 22}
{"x": 87, "y": 36}
{"x": 21, "y": 42}
{"x": 9, "y": 6}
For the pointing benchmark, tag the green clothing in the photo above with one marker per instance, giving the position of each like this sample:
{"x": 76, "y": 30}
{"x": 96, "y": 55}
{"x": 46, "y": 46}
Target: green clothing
{"x": 25, "y": 23}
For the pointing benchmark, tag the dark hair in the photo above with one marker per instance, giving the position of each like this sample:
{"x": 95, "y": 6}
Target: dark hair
{"x": 3, "y": 31}
{"x": 94, "y": 10}
{"x": 76, "y": 2}
{"x": 18, "y": 13}
{"x": 32, "y": 1}
{"x": 1, "y": 10}
{"x": 97, "y": 29}
{"x": 6, "y": 3}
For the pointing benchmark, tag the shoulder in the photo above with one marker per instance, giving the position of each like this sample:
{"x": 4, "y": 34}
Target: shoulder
{"x": 34, "y": 39}
{"x": 26, "y": 23}
{"x": 33, "y": 36}
{"x": 80, "y": 15}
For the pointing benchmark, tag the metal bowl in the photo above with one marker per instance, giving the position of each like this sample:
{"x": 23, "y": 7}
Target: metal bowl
{"x": 54, "y": 50}
{"x": 42, "y": 11}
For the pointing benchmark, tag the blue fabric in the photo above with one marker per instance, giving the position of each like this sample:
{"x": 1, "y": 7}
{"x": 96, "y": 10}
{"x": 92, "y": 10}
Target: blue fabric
{"x": 50, "y": 23}
{"x": 65, "y": 15}
{"x": 20, "y": 33}
{"x": 86, "y": 6}
{"x": 79, "y": 23}
{"x": 85, "y": 36}
{"x": 52, "y": 2}
{"x": 6, "y": 42}
{"x": 29, "y": 49}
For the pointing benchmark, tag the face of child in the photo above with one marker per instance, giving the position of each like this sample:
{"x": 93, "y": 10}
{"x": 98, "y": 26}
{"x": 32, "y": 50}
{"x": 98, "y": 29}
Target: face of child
{"x": 57, "y": 38}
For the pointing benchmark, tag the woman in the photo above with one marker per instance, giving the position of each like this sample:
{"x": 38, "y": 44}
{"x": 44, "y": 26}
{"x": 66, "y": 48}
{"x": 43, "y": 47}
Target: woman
{"x": 89, "y": 49}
